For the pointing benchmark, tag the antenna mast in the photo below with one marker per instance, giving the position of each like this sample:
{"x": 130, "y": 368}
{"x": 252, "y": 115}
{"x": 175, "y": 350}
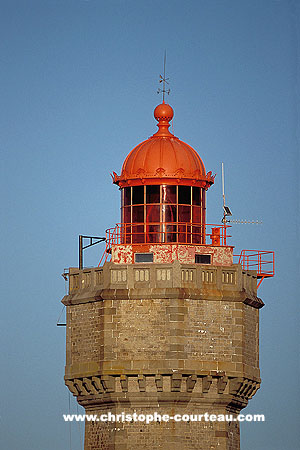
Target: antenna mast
{"x": 223, "y": 193}
{"x": 226, "y": 209}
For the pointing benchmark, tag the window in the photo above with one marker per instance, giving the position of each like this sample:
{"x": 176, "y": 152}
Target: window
{"x": 184, "y": 213}
{"x": 169, "y": 194}
{"x": 184, "y": 195}
{"x": 196, "y": 214}
{"x": 169, "y": 213}
{"x": 153, "y": 213}
{"x": 127, "y": 196}
{"x": 138, "y": 214}
{"x": 158, "y": 207}
{"x": 196, "y": 196}
{"x": 143, "y": 257}
{"x": 138, "y": 195}
{"x": 203, "y": 259}
{"x": 152, "y": 194}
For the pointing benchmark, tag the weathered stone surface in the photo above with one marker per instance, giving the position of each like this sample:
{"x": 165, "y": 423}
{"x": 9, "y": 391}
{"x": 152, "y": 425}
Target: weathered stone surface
{"x": 187, "y": 344}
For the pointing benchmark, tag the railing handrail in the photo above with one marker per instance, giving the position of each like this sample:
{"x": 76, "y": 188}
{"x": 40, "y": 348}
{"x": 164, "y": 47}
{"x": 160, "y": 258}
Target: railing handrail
{"x": 122, "y": 230}
{"x": 255, "y": 260}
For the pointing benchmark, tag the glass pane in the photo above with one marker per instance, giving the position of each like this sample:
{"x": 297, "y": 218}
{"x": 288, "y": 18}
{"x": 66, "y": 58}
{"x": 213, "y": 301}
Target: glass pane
{"x": 184, "y": 213}
{"x": 196, "y": 236}
{"x": 171, "y": 235}
{"x": 196, "y": 214}
{"x": 196, "y": 196}
{"x": 153, "y": 233}
{"x": 137, "y": 214}
{"x": 169, "y": 194}
{"x": 184, "y": 195}
{"x": 184, "y": 233}
{"x": 169, "y": 213}
{"x": 143, "y": 257}
{"x": 126, "y": 214}
{"x": 138, "y": 195}
{"x": 153, "y": 213}
{"x": 152, "y": 194}
{"x": 127, "y": 236}
{"x": 127, "y": 196}
{"x": 138, "y": 234}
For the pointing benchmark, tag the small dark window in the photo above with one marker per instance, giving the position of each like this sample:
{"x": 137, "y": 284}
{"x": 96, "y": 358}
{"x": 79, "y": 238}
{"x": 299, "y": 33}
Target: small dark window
{"x": 196, "y": 196}
{"x": 184, "y": 213}
{"x": 127, "y": 214}
{"x": 138, "y": 195}
{"x": 196, "y": 214}
{"x": 203, "y": 259}
{"x": 143, "y": 257}
{"x": 184, "y": 195}
{"x": 152, "y": 194}
{"x": 127, "y": 196}
{"x": 138, "y": 214}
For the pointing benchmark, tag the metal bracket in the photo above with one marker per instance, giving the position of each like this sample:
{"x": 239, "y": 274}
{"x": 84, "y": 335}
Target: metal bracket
{"x": 83, "y": 247}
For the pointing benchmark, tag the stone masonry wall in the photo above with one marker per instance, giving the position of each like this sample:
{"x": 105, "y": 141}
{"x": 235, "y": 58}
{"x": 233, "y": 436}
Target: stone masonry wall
{"x": 162, "y": 435}
{"x": 174, "y": 338}
{"x": 146, "y": 334}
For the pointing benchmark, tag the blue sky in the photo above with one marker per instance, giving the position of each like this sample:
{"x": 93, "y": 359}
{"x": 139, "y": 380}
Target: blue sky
{"x": 78, "y": 85}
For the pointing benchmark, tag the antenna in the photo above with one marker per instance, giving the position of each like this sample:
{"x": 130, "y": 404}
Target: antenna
{"x": 164, "y": 80}
{"x": 241, "y": 221}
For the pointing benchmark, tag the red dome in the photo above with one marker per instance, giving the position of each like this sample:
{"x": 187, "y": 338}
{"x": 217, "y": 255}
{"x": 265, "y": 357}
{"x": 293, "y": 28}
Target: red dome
{"x": 163, "y": 159}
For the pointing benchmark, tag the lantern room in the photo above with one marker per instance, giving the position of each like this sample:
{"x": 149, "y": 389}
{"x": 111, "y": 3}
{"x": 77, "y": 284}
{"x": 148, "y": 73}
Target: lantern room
{"x": 163, "y": 185}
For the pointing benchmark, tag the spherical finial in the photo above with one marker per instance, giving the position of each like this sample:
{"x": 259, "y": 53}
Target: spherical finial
{"x": 163, "y": 112}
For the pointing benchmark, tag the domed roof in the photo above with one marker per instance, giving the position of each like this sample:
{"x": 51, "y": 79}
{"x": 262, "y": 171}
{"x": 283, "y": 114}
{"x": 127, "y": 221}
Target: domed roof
{"x": 163, "y": 159}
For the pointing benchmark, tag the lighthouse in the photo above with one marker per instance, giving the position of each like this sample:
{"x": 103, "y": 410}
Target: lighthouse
{"x": 163, "y": 335}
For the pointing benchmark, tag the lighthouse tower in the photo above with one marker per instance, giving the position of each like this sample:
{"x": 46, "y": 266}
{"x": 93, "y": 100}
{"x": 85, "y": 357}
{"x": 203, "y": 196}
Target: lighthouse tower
{"x": 167, "y": 327}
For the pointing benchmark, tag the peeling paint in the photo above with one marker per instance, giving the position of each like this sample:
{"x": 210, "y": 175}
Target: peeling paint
{"x": 122, "y": 254}
{"x": 167, "y": 253}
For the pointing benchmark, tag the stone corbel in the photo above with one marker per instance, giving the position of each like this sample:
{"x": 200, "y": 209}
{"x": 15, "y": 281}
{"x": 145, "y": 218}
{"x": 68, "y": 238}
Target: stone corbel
{"x": 206, "y": 383}
{"x": 234, "y": 385}
{"x": 124, "y": 383}
{"x": 80, "y": 387}
{"x": 108, "y": 383}
{"x": 71, "y": 387}
{"x": 221, "y": 384}
{"x": 97, "y": 384}
{"x": 190, "y": 383}
{"x": 87, "y": 383}
{"x": 142, "y": 383}
{"x": 159, "y": 383}
{"x": 176, "y": 379}
{"x": 254, "y": 389}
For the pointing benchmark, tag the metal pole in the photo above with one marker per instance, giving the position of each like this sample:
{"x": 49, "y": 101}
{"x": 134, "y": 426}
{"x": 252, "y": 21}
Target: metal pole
{"x": 80, "y": 253}
{"x": 223, "y": 195}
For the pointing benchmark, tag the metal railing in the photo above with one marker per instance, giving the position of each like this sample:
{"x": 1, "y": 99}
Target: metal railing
{"x": 167, "y": 233}
{"x": 260, "y": 260}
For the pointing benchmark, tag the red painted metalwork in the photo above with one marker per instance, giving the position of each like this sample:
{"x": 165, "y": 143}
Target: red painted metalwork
{"x": 260, "y": 260}
{"x": 163, "y": 159}
{"x": 164, "y": 233}
{"x": 163, "y": 185}
{"x": 154, "y": 205}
